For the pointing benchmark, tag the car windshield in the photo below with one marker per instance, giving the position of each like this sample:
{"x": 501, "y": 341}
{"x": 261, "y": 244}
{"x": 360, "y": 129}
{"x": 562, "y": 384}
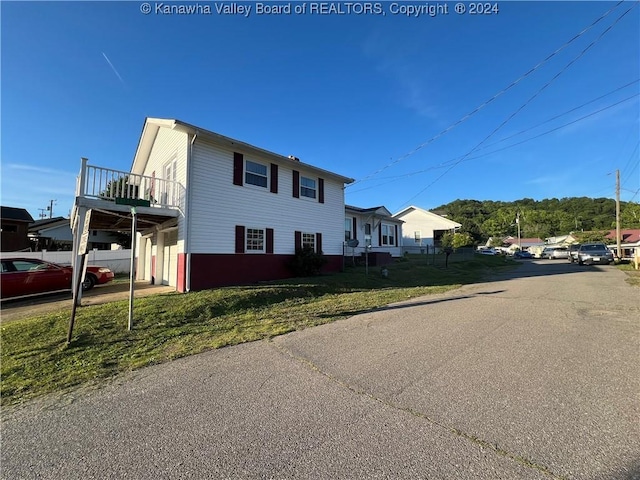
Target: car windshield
{"x": 593, "y": 247}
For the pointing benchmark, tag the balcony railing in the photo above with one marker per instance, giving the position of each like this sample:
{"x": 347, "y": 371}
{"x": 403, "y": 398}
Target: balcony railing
{"x": 114, "y": 185}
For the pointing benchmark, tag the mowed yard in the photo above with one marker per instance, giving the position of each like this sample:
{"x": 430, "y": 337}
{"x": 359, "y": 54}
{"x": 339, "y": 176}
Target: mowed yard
{"x": 36, "y": 360}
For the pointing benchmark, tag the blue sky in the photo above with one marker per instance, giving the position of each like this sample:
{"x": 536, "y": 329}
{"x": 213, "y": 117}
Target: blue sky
{"x": 366, "y": 96}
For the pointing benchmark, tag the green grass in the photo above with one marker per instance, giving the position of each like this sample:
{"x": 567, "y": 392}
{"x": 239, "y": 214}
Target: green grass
{"x": 633, "y": 275}
{"x": 37, "y": 361}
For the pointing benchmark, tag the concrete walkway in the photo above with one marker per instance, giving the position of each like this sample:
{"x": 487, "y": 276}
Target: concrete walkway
{"x": 530, "y": 376}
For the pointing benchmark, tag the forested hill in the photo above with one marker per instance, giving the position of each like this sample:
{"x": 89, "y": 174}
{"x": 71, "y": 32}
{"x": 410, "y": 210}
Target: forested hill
{"x": 544, "y": 218}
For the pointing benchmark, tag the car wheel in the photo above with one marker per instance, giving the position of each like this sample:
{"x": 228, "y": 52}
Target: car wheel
{"x": 89, "y": 282}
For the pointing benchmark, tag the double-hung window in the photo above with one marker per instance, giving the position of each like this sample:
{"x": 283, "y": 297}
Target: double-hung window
{"x": 309, "y": 241}
{"x": 255, "y": 174}
{"x": 388, "y": 235}
{"x": 348, "y": 226}
{"x": 255, "y": 240}
{"x": 307, "y": 187}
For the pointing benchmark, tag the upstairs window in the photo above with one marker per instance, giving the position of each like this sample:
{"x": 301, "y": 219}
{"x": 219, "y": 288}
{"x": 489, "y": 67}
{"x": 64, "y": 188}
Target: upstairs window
{"x": 307, "y": 187}
{"x": 255, "y": 174}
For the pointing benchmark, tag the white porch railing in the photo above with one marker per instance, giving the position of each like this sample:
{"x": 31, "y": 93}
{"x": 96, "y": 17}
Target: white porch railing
{"x": 107, "y": 184}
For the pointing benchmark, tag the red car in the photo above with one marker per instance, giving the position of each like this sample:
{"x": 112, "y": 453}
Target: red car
{"x": 26, "y": 276}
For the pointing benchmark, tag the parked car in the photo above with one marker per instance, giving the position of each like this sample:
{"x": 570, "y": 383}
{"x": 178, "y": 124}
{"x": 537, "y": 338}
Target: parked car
{"x": 561, "y": 252}
{"x": 594, "y": 253}
{"x": 573, "y": 252}
{"x": 26, "y": 276}
{"x": 486, "y": 251}
{"x": 522, "y": 254}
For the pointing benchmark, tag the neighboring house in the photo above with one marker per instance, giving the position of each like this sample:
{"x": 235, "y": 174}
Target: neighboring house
{"x": 561, "y": 241}
{"x": 529, "y": 244}
{"x": 213, "y": 211}
{"x": 422, "y": 228}
{"x": 55, "y": 234}
{"x": 14, "y": 227}
{"x": 374, "y": 227}
{"x": 629, "y": 241}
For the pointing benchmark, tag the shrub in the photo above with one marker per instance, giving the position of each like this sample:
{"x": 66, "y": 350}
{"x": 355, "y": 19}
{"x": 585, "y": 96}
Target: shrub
{"x": 307, "y": 262}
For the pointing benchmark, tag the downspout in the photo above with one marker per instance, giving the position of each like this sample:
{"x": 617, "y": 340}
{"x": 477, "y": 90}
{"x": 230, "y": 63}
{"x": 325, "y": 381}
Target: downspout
{"x": 188, "y": 209}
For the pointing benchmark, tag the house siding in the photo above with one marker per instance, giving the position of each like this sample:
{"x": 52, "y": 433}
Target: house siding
{"x": 170, "y": 145}
{"x": 219, "y": 205}
{"x": 424, "y": 222}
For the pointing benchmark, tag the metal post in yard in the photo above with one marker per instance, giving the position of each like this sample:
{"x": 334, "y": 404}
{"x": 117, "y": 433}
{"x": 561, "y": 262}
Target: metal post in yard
{"x": 134, "y": 228}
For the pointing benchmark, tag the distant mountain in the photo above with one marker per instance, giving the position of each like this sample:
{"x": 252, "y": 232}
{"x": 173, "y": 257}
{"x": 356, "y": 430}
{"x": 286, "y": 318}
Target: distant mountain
{"x": 542, "y": 219}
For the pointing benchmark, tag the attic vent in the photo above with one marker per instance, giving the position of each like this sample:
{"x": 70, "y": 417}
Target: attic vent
{"x": 294, "y": 158}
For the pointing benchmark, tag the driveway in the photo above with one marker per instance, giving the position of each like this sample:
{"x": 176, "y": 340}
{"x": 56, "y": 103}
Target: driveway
{"x": 25, "y": 308}
{"x": 532, "y": 375}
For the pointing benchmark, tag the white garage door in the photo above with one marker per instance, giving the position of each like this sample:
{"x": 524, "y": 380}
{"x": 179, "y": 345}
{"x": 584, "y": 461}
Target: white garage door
{"x": 170, "y": 266}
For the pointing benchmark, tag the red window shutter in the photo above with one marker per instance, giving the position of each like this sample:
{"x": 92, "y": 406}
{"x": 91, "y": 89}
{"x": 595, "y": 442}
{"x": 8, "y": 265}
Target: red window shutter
{"x": 319, "y": 243}
{"x": 396, "y": 235}
{"x": 269, "y": 240}
{"x": 239, "y": 239}
{"x": 298, "y": 241}
{"x": 321, "y": 190}
{"x": 380, "y": 235}
{"x": 274, "y": 178}
{"x": 355, "y": 231}
{"x": 238, "y": 168}
{"x": 296, "y": 184}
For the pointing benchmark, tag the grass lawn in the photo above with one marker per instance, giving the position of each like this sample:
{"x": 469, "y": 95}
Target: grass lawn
{"x": 633, "y": 275}
{"x": 35, "y": 359}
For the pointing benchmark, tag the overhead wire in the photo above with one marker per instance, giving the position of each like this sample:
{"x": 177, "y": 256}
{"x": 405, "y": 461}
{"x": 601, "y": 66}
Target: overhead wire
{"x": 555, "y": 117}
{"x": 526, "y": 103}
{"x": 487, "y": 102}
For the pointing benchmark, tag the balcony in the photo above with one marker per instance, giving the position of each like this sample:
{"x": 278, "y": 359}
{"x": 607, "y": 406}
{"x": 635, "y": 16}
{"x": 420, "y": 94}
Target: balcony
{"x": 105, "y": 191}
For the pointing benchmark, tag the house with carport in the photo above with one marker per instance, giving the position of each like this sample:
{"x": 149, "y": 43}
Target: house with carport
{"x": 211, "y": 210}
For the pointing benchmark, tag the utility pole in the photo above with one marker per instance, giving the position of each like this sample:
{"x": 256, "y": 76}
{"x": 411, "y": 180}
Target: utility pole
{"x": 50, "y": 208}
{"x": 518, "y": 223}
{"x": 618, "y": 240}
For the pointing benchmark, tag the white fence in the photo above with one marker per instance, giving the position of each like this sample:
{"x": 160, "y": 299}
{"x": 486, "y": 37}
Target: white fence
{"x": 118, "y": 261}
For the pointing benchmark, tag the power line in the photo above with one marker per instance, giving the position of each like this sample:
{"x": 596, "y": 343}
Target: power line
{"x": 463, "y": 158}
{"x": 487, "y": 102}
{"x": 519, "y": 109}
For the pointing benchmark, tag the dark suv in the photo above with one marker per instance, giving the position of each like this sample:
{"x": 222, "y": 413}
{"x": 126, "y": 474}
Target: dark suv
{"x": 594, "y": 253}
{"x": 573, "y": 252}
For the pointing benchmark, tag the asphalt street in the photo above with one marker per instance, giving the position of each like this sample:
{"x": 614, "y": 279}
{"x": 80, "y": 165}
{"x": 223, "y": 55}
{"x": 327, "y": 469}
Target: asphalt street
{"x": 531, "y": 375}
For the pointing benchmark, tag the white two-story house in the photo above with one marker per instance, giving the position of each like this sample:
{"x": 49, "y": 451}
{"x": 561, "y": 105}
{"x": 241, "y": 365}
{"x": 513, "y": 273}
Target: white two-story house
{"x": 214, "y": 211}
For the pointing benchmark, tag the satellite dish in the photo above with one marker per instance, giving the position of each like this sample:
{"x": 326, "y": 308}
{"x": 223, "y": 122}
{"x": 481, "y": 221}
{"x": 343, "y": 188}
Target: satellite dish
{"x": 353, "y": 243}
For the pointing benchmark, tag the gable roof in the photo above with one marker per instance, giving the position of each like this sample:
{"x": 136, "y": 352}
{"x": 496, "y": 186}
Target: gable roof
{"x": 16, "y": 214}
{"x": 48, "y": 223}
{"x": 428, "y": 214}
{"x": 377, "y": 212}
{"x": 627, "y": 235}
{"x": 152, "y": 126}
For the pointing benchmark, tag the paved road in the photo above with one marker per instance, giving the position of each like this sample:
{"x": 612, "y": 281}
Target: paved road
{"x": 533, "y": 375}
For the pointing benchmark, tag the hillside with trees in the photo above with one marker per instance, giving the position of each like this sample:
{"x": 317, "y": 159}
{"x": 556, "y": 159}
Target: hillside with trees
{"x": 541, "y": 219}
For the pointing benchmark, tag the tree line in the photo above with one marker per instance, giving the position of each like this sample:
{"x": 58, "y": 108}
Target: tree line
{"x": 538, "y": 219}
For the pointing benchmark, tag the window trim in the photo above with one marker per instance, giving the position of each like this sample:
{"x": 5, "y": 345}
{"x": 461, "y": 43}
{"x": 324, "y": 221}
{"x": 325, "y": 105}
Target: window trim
{"x": 390, "y": 236}
{"x": 348, "y": 233}
{"x": 247, "y": 239}
{"x": 265, "y": 176}
{"x": 308, "y": 236}
{"x": 313, "y": 189}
